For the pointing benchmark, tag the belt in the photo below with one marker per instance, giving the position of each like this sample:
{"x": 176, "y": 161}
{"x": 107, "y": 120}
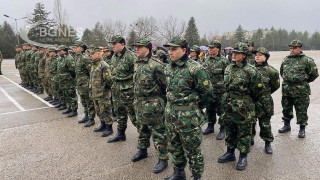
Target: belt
{"x": 184, "y": 108}
{"x": 240, "y": 96}
{"x": 147, "y": 98}
{"x": 296, "y": 83}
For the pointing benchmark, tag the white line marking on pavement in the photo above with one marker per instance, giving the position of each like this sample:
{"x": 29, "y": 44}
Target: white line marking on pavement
{"x": 13, "y": 112}
{"x": 12, "y": 100}
{"x": 17, "y": 75}
{"x": 39, "y": 98}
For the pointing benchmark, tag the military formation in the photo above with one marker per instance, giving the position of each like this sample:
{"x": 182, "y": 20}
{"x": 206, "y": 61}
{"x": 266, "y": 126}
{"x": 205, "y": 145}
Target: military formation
{"x": 170, "y": 96}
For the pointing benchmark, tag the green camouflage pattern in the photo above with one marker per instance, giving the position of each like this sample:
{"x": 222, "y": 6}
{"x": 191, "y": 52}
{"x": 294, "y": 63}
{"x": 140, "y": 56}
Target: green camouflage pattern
{"x": 249, "y": 42}
{"x": 195, "y": 48}
{"x": 100, "y": 90}
{"x": 241, "y": 48}
{"x": 214, "y": 43}
{"x": 149, "y": 103}
{"x": 297, "y": 43}
{"x": 188, "y": 91}
{"x": 47, "y": 76}
{"x": 53, "y": 75}
{"x": 116, "y": 39}
{"x": 297, "y": 72}
{"x": 142, "y": 42}
{"x": 251, "y": 58}
{"x": 243, "y": 86}
{"x": 176, "y": 42}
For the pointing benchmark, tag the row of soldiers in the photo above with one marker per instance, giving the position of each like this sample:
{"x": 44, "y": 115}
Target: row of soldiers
{"x": 165, "y": 97}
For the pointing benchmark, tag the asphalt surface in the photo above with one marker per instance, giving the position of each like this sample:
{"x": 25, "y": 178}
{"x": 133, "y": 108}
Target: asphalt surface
{"x": 38, "y": 142}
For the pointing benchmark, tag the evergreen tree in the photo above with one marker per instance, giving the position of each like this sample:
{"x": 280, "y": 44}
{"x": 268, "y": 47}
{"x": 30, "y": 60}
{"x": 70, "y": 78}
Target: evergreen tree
{"x": 192, "y": 35}
{"x": 8, "y": 40}
{"x": 98, "y": 36}
{"x": 86, "y": 37}
{"x": 204, "y": 41}
{"x": 239, "y": 35}
{"x": 315, "y": 41}
{"x": 132, "y": 38}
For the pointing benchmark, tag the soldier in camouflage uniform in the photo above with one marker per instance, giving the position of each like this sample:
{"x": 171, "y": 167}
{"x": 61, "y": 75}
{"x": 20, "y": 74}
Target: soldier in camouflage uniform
{"x": 83, "y": 68}
{"x": 122, "y": 66}
{"x": 215, "y": 65}
{"x": 297, "y": 71}
{"x": 100, "y": 90}
{"x": 18, "y": 58}
{"x": 162, "y": 56}
{"x": 243, "y": 86}
{"x": 264, "y": 106}
{"x": 149, "y": 103}
{"x": 188, "y": 90}
{"x": 251, "y": 55}
{"x": 25, "y": 61}
{"x": 54, "y": 84}
{"x": 1, "y": 59}
{"x": 67, "y": 84}
{"x": 154, "y": 52}
{"x": 31, "y": 68}
{"x": 194, "y": 53}
{"x": 46, "y": 78}
{"x": 39, "y": 67}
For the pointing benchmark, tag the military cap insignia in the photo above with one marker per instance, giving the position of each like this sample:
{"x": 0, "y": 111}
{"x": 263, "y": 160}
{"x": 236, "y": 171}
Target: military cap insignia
{"x": 259, "y": 85}
{"x": 107, "y": 74}
{"x": 315, "y": 67}
{"x": 205, "y": 83}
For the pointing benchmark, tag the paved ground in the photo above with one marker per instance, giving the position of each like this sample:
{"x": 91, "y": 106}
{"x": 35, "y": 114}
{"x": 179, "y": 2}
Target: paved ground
{"x": 38, "y": 142}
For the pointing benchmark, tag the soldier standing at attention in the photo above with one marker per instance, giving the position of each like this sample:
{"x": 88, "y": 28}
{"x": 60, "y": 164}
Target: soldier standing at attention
{"x": 100, "y": 90}
{"x": 122, "y": 67}
{"x": 83, "y": 68}
{"x": 1, "y": 59}
{"x": 162, "y": 56}
{"x": 250, "y": 58}
{"x": 194, "y": 53}
{"x": 40, "y": 62}
{"x": 149, "y": 103}
{"x": 264, "y": 106}
{"x": 215, "y": 65}
{"x": 297, "y": 71}
{"x": 188, "y": 91}
{"x": 243, "y": 85}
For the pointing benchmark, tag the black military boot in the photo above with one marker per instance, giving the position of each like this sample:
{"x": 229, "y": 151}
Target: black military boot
{"x": 228, "y": 156}
{"x": 48, "y": 98}
{"x": 1, "y": 73}
{"x": 73, "y": 113}
{"x": 52, "y": 101}
{"x": 84, "y": 119}
{"x": 108, "y": 131}
{"x": 58, "y": 105}
{"x": 34, "y": 89}
{"x": 161, "y": 166}
{"x": 62, "y": 107}
{"x": 242, "y": 163}
{"x": 55, "y": 102}
{"x": 40, "y": 92}
{"x": 120, "y": 136}
{"x": 209, "y": 130}
{"x": 101, "y": 128}
{"x": 196, "y": 177}
{"x": 67, "y": 111}
{"x": 286, "y": 127}
{"x": 30, "y": 87}
{"x": 178, "y": 174}
{"x": 267, "y": 147}
{"x": 142, "y": 154}
{"x": 252, "y": 141}
{"x": 302, "y": 131}
{"x": 221, "y": 134}
{"x": 89, "y": 123}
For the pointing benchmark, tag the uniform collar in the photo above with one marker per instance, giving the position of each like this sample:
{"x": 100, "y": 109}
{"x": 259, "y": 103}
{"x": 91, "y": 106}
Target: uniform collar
{"x": 263, "y": 64}
{"x": 121, "y": 53}
{"x": 299, "y": 55}
{"x": 145, "y": 59}
{"x": 181, "y": 61}
{"x": 241, "y": 64}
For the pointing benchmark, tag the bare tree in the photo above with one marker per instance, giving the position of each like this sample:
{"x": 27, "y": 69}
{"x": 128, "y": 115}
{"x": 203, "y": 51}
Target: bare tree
{"x": 145, "y": 27}
{"x": 60, "y": 14}
{"x": 112, "y": 28}
{"x": 170, "y": 27}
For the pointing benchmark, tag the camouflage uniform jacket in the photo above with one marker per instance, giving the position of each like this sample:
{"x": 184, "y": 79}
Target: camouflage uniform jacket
{"x": 188, "y": 83}
{"x": 149, "y": 79}
{"x": 65, "y": 68}
{"x": 107, "y": 59}
{"x": 47, "y": 66}
{"x": 83, "y": 66}
{"x": 18, "y": 59}
{"x": 41, "y": 59}
{"x": 100, "y": 80}
{"x": 251, "y": 58}
{"x": 53, "y": 67}
{"x": 32, "y": 61}
{"x": 271, "y": 82}
{"x": 215, "y": 67}
{"x": 297, "y": 72}
{"x": 122, "y": 69}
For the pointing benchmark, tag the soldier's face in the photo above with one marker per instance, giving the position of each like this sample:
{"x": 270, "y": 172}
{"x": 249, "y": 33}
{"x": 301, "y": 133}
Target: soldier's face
{"x": 78, "y": 49}
{"x": 52, "y": 54}
{"x": 193, "y": 54}
{"x": 117, "y": 47}
{"x": 260, "y": 58}
{"x": 62, "y": 52}
{"x": 18, "y": 49}
{"x": 41, "y": 51}
{"x": 176, "y": 53}
{"x": 250, "y": 48}
{"x": 213, "y": 51}
{"x": 295, "y": 50}
{"x": 95, "y": 56}
{"x": 108, "y": 53}
{"x": 238, "y": 57}
{"x": 141, "y": 51}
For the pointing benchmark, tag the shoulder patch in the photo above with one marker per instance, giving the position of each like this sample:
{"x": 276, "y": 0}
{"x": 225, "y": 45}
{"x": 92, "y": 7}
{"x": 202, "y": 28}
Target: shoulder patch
{"x": 259, "y": 85}
{"x": 315, "y": 67}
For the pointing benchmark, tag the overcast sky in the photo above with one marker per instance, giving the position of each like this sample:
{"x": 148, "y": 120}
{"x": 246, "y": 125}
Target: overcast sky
{"x": 210, "y": 15}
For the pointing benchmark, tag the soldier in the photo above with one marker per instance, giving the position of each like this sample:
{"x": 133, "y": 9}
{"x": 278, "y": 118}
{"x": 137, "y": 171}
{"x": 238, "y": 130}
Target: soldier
{"x": 195, "y": 52}
{"x": 216, "y": 65}
{"x": 154, "y": 51}
{"x": 83, "y": 68}
{"x": 100, "y": 90}
{"x": 297, "y": 71}
{"x": 26, "y": 68}
{"x": 31, "y": 67}
{"x": 50, "y": 52}
{"x": 54, "y": 85}
{"x": 122, "y": 67}
{"x": 264, "y": 106}
{"x": 18, "y": 58}
{"x": 250, "y": 58}
{"x": 149, "y": 103}
{"x": 1, "y": 59}
{"x": 162, "y": 56}
{"x": 188, "y": 89}
{"x": 67, "y": 84}
{"x": 39, "y": 69}
{"x": 243, "y": 85}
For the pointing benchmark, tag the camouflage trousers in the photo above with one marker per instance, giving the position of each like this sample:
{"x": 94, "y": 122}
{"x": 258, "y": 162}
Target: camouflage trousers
{"x": 150, "y": 117}
{"x": 54, "y": 86}
{"x": 103, "y": 109}
{"x": 87, "y": 103}
{"x": 239, "y": 117}
{"x": 300, "y": 105}
{"x": 214, "y": 109}
{"x": 0, "y": 64}
{"x": 46, "y": 85}
{"x": 23, "y": 75}
{"x": 123, "y": 106}
{"x": 184, "y": 138}
{"x": 70, "y": 94}
{"x": 265, "y": 129}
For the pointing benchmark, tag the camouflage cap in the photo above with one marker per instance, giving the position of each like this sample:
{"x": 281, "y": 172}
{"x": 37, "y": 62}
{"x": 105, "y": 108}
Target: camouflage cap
{"x": 249, "y": 42}
{"x": 215, "y": 43}
{"x": 18, "y": 46}
{"x": 142, "y": 42}
{"x": 177, "y": 41}
{"x": 63, "y": 47}
{"x": 297, "y": 43}
{"x": 117, "y": 38}
{"x": 160, "y": 53}
{"x": 81, "y": 44}
{"x": 195, "y": 48}
{"x": 262, "y": 50}
{"x": 52, "y": 49}
{"x": 108, "y": 48}
{"x": 241, "y": 48}
{"x": 94, "y": 49}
